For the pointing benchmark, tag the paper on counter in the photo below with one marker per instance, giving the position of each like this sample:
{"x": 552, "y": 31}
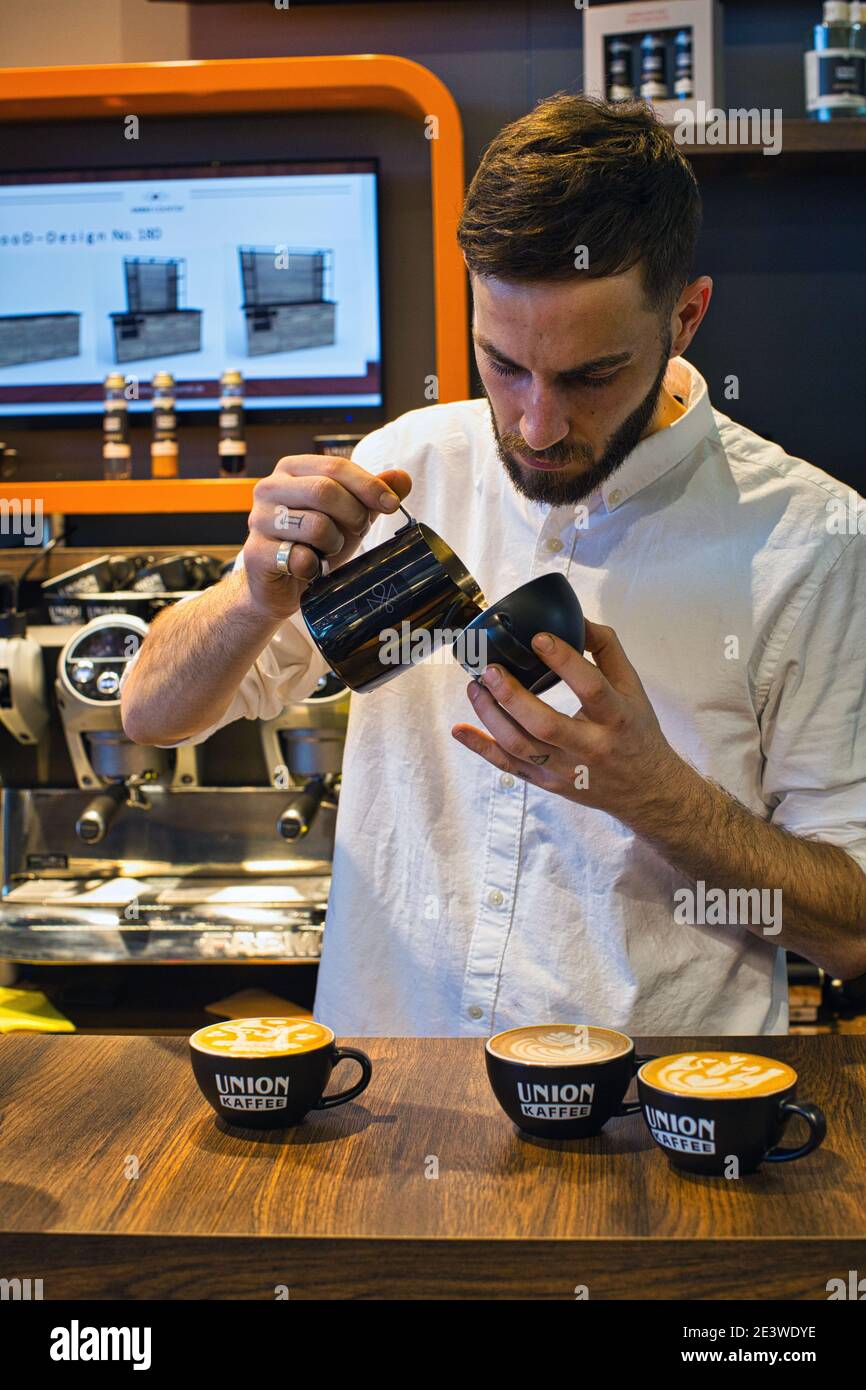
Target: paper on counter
{"x": 256, "y": 1003}
{"x": 28, "y": 1011}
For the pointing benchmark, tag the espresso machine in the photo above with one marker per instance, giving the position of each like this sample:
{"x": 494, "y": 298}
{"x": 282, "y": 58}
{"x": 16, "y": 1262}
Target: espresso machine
{"x": 117, "y": 853}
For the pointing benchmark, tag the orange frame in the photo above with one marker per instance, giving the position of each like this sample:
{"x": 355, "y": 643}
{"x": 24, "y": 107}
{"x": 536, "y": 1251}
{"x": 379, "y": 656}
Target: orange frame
{"x": 365, "y": 81}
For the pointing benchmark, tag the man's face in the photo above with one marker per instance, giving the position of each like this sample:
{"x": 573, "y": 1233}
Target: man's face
{"x": 573, "y": 372}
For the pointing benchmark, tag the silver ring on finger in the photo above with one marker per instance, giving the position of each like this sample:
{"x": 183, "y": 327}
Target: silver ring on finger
{"x": 281, "y": 560}
{"x": 284, "y": 550}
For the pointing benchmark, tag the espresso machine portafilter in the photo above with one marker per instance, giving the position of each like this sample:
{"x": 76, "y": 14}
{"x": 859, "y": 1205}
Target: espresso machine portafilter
{"x": 89, "y": 673}
{"x": 303, "y": 750}
{"x": 23, "y": 705}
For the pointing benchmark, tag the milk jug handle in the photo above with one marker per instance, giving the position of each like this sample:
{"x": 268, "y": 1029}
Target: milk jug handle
{"x": 323, "y": 563}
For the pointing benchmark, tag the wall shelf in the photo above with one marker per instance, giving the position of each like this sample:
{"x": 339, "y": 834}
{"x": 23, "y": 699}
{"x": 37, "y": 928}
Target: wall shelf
{"x": 135, "y": 496}
{"x": 799, "y": 137}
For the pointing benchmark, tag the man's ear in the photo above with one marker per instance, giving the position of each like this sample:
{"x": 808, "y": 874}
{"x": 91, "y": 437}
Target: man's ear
{"x": 688, "y": 313}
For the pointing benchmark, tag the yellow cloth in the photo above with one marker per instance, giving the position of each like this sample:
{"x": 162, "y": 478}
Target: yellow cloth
{"x": 28, "y": 1011}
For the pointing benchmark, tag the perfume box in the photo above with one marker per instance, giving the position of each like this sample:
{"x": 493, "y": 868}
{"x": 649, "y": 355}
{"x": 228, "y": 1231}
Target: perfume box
{"x": 670, "y": 54}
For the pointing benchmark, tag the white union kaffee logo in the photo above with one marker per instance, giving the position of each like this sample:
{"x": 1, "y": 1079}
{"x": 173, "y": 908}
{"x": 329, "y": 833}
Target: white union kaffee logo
{"x": 252, "y": 1092}
{"x": 545, "y": 1101}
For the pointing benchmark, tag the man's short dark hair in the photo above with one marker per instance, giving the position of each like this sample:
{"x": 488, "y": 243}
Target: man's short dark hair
{"x": 578, "y": 171}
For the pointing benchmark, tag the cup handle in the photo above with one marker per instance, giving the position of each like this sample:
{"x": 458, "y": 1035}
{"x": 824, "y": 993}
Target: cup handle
{"x": 817, "y": 1125}
{"x": 511, "y": 649}
{"x": 341, "y": 1097}
{"x": 632, "y": 1107}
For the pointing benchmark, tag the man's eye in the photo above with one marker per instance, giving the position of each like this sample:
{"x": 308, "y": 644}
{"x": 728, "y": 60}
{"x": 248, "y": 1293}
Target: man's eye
{"x": 594, "y": 382}
{"x": 500, "y": 368}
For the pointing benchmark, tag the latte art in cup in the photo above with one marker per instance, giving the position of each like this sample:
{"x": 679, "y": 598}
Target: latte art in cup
{"x": 727, "y": 1075}
{"x": 262, "y": 1037}
{"x": 559, "y": 1044}
{"x": 269, "y": 1073}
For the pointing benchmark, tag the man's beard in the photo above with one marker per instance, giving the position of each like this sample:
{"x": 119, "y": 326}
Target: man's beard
{"x": 553, "y": 489}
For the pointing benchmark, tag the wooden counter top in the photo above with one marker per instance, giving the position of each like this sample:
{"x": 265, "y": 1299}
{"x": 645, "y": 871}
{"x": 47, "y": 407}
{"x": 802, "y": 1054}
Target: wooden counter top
{"x": 343, "y": 1205}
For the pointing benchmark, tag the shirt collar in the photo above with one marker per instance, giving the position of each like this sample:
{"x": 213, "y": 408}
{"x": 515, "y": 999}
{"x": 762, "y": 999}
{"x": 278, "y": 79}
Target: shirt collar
{"x": 660, "y": 452}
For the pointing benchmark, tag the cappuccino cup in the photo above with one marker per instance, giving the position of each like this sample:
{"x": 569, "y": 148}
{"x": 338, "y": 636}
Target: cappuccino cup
{"x": 562, "y": 1080}
{"x": 268, "y": 1073}
{"x": 503, "y": 633}
{"x": 723, "y": 1113}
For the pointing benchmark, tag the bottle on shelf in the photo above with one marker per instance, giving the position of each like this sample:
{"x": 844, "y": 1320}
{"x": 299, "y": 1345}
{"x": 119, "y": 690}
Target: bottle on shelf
{"x": 653, "y": 79}
{"x": 232, "y": 444}
{"x": 835, "y": 66}
{"x": 116, "y": 450}
{"x": 163, "y": 444}
{"x": 620, "y": 74}
{"x": 858, "y": 43}
{"x": 684, "y": 72}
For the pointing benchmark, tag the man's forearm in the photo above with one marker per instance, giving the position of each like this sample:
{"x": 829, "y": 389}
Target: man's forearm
{"x": 708, "y": 835}
{"x": 192, "y": 662}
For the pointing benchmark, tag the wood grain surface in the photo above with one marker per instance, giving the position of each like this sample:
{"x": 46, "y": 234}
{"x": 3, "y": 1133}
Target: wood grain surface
{"x": 345, "y": 1205}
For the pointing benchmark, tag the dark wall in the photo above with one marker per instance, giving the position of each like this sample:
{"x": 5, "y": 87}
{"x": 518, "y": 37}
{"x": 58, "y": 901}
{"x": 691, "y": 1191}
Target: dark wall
{"x": 786, "y": 255}
{"x": 785, "y": 248}
{"x": 499, "y": 57}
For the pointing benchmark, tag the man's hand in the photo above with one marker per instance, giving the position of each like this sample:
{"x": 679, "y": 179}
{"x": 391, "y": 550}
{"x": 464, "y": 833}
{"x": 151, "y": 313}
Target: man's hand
{"x": 615, "y": 752}
{"x": 611, "y": 754}
{"x": 323, "y": 504}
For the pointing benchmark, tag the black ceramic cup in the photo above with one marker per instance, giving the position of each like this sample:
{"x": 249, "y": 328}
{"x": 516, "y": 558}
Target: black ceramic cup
{"x": 562, "y": 1080}
{"x": 383, "y": 610}
{"x": 268, "y": 1073}
{"x": 723, "y": 1113}
{"x": 503, "y": 633}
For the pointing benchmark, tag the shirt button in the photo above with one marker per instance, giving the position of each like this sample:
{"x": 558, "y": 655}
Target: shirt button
{"x": 554, "y": 545}
{"x": 475, "y": 1011}
{"x": 614, "y": 498}
{"x": 495, "y": 897}
{"x": 506, "y": 780}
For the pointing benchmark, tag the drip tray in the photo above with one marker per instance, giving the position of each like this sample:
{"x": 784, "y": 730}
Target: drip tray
{"x": 178, "y": 918}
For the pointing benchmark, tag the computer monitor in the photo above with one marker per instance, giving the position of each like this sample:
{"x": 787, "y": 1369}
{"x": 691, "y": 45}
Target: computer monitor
{"x": 271, "y": 269}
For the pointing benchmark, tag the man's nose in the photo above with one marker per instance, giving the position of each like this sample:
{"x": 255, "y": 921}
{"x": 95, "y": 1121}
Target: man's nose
{"x": 543, "y": 422}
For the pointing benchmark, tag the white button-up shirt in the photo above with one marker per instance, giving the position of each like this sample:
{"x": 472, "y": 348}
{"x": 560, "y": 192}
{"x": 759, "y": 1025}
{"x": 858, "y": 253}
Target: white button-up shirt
{"x": 464, "y": 900}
